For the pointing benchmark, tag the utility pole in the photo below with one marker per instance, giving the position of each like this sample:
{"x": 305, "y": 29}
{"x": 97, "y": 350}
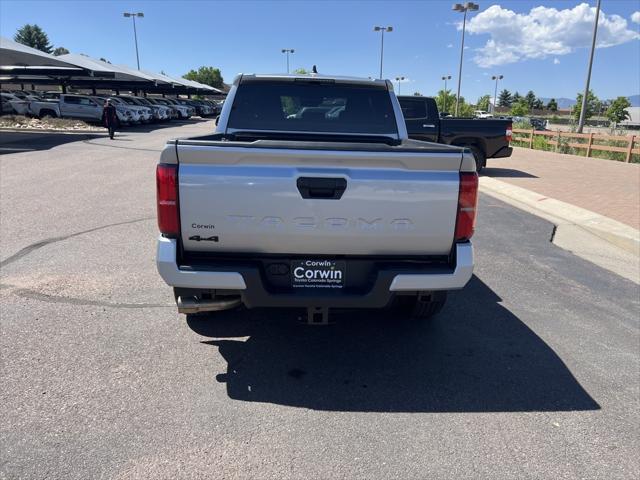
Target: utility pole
{"x": 586, "y": 87}
{"x": 135, "y": 33}
{"x": 459, "y": 7}
{"x": 382, "y": 30}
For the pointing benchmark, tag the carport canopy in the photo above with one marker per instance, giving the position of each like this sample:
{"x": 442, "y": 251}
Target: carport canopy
{"x": 100, "y": 68}
{"x": 14, "y": 54}
{"x": 184, "y": 82}
{"x": 24, "y": 64}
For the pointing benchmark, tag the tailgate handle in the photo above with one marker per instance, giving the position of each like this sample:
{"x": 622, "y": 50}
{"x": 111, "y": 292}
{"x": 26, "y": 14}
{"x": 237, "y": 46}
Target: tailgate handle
{"x": 321, "y": 188}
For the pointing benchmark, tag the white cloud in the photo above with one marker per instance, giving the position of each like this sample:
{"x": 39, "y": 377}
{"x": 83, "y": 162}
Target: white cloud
{"x": 635, "y": 17}
{"x": 450, "y": 45}
{"x": 556, "y": 61}
{"x": 543, "y": 32}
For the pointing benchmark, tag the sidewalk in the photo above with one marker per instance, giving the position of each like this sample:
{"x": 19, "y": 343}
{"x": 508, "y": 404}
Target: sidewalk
{"x": 594, "y": 204}
{"x": 607, "y": 187}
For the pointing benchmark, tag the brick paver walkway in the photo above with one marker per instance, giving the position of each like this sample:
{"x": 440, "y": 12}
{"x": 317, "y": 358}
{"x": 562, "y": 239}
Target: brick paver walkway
{"x": 606, "y": 187}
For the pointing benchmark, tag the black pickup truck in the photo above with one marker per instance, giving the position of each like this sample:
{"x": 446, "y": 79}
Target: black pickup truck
{"x": 486, "y": 138}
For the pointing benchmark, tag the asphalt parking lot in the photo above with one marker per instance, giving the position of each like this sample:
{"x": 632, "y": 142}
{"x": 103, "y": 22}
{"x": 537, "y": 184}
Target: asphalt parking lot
{"x": 530, "y": 372}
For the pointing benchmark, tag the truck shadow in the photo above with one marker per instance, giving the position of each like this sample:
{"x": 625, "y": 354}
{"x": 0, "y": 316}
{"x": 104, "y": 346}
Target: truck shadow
{"x": 476, "y": 357}
{"x": 498, "y": 172}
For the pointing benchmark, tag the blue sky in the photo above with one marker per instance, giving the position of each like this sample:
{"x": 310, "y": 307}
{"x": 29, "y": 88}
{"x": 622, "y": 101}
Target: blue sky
{"x": 247, "y": 36}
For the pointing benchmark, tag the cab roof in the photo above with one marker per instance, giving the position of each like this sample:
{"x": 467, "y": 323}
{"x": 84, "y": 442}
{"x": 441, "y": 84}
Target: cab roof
{"x": 256, "y": 77}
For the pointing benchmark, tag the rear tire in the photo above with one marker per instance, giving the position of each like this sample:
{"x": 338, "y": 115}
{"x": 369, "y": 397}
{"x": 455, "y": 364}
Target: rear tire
{"x": 421, "y": 307}
{"x": 480, "y": 157}
{"x": 47, "y": 113}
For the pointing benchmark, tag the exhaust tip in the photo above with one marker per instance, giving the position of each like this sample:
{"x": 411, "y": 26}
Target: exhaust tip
{"x": 188, "y": 305}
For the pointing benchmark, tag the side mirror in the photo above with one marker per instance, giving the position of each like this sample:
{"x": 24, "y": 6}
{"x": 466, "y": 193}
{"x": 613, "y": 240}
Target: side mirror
{"x": 216, "y": 120}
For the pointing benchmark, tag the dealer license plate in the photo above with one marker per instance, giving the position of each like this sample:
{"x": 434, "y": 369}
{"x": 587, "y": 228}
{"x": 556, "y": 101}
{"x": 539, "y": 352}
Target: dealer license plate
{"x": 318, "y": 273}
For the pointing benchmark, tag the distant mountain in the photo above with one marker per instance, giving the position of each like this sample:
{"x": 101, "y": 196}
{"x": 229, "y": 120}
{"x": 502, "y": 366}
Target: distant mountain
{"x": 568, "y": 103}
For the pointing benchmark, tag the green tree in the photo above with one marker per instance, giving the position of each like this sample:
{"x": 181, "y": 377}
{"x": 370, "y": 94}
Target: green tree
{"x": 33, "y": 36}
{"x": 102, "y": 59}
{"x": 60, "y": 51}
{"x": 516, "y": 98}
{"x": 446, "y": 101}
{"x": 300, "y": 71}
{"x": 465, "y": 109}
{"x": 530, "y": 98}
{"x": 617, "y": 110}
{"x": 207, "y": 75}
{"x": 552, "y": 105}
{"x": 417, "y": 94}
{"x": 593, "y": 105}
{"x": 520, "y": 108}
{"x": 291, "y": 105}
{"x": 504, "y": 99}
{"x": 483, "y": 103}
{"x": 538, "y": 104}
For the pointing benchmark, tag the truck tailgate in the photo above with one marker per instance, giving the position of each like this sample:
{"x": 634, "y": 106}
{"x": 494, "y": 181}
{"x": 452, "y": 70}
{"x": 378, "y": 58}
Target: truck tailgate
{"x": 317, "y": 201}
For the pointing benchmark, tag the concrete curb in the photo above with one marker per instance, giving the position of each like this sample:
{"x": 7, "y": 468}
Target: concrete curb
{"x": 561, "y": 213}
{"x": 49, "y": 130}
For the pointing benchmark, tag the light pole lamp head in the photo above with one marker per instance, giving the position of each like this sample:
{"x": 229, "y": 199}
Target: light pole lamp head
{"x": 139, "y": 14}
{"x": 468, "y": 6}
{"x": 385, "y": 29}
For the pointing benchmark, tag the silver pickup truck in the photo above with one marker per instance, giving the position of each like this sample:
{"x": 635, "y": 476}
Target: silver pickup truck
{"x": 310, "y": 195}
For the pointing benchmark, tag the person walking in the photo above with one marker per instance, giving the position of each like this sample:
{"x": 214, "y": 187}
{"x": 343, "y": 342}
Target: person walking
{"x": 109, "y": 118}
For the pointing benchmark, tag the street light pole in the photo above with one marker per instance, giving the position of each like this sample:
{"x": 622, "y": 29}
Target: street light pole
{"x": 444, "y": 104}
{"x": 586, "y": 87}
{"x": 288, "y": 51}
{"x": 495, "y": 92}
{"x": 399, "y": 79}
{"x": 459, "y": 7}
{"x": 382, "y": 30}
{"x": 135, "y": 33}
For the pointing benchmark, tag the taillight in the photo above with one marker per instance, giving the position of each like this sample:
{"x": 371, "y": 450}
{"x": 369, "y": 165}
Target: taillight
{"x": 167, "y": 198}
{"x": 467, "y": 204}
{"x": 509, "y": 132}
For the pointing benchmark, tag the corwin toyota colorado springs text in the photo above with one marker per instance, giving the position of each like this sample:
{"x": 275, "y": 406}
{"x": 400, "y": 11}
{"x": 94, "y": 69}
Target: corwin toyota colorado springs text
{"x": 311, "y": 195}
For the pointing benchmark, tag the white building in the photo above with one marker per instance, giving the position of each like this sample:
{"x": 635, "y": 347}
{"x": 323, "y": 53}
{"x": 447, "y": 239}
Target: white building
{"x": 634, "y": 121}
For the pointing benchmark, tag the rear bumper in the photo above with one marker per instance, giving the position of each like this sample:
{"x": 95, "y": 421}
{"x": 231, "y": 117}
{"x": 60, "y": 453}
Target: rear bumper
{"x": 250, "y": 284}
{"x": 503, "y": 152}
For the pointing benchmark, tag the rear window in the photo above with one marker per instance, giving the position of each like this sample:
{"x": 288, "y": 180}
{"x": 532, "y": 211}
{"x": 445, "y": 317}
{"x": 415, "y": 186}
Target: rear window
{"x": 413, "y": 109}
{"x": 312, "y": 107}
